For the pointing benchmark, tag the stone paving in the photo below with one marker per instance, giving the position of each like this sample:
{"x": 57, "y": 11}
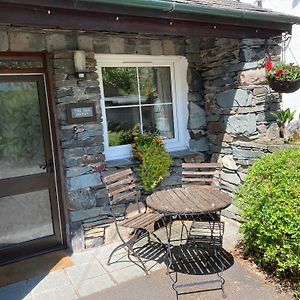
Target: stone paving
{"x": 91, "y": 278}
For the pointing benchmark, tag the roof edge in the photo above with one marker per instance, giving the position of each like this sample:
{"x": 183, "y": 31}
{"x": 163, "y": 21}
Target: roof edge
{"x": 170, "y": 7}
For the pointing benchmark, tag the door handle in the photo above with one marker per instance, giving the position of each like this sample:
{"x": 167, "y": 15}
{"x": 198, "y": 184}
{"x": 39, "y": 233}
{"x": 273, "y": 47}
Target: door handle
{"x": 47, "y": 165}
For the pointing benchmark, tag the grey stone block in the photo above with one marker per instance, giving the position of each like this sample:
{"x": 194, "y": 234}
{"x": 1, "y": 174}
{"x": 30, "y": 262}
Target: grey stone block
{"x": 25, "y": 41}
{"x": 71, "y": 153}
{"x": 74, "y": 172}
{"x": 169, "y": 47}
{"x": 229, "y": 163}
{"x": 246, "y": 154}
{"x": 81, "y": 215}
{"x": 89, "y": 133}
{"x": 82, "y": 199}
{"x": 116, "y": 44}
{"x": 232, "y": 178}
{"x": 101, "y": 44}
{"x": 197, "y": 116}
{"x": 194, "y": 80}
{"x": 86, "y": 42}
{"x": 265, "y": 116}
{"x": 200, "y": 145}
{"x": 242, "y": 176}
{"x": 212, "y": 117}
{"x": 234, "y": 98}
{"x": 3, "y": 41}
{"x": 60, "y": 41}
{"x": 241, "y": 124}
{"x": 249, "y": 54}
{"x": 172, "y": 180}
{"x": 93, "y": 150}
{"x": 84, "y": 181}
{"x": 231, "y": 188}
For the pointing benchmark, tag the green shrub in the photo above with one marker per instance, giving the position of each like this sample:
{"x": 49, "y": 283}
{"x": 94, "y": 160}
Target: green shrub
{"x": 270, "y": 203}
{"x": 154, "y": 167}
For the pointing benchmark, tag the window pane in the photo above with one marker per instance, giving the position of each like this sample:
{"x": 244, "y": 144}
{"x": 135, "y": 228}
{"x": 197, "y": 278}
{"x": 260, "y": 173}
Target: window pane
{"x": 119, "y": 122}
{"x": 155, "y": 85}
{"x": 25, "y": 217}
{"x": 21, "y": 138}
{"x": 159, "y": 118}
{"x": 120, "y": 86}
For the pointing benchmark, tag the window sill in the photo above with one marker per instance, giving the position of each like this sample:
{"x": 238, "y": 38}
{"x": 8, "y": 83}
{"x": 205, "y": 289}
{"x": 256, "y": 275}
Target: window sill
{"x": 132, "y": 161}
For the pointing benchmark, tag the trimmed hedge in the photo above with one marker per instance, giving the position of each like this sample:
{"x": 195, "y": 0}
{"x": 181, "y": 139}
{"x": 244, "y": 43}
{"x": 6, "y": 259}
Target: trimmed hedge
{"x": 270, "y": 203}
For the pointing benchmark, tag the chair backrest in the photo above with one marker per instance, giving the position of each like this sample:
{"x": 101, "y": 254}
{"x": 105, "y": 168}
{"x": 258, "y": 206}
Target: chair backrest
{"x": 121, "y": 186}
{"x": 204, "y": 175}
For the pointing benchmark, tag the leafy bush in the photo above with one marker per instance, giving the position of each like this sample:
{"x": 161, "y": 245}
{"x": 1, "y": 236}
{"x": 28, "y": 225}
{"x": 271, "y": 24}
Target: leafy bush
{"x": 270, "y": 198}
{"x": 154, "y": 167}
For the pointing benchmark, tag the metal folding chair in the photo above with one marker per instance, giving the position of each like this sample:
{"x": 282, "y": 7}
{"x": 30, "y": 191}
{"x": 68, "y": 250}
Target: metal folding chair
{"x": 122, "y": 188}
{"x": 206, "y": 231}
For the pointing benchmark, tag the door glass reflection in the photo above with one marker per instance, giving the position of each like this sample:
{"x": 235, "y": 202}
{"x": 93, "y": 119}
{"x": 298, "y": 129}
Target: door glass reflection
{"x": 25, "y": 217}
{"x": 21, "y": 139}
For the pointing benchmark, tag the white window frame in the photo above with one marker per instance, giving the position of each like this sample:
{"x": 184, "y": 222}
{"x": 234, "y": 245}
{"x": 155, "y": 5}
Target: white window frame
{"x": 178, "y": 66}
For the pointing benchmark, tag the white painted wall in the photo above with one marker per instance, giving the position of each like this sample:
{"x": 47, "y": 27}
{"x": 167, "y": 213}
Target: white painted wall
{"x": 292, "y": 54}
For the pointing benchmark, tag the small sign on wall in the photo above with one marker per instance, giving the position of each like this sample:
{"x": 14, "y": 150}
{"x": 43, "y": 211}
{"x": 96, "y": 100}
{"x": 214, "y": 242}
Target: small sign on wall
{"x": 81, "y": 112}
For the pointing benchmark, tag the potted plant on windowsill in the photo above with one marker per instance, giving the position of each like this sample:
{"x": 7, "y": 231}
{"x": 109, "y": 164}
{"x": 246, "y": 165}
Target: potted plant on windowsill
{"x": 282, "y": 77}
{"x": 149, "y": 149}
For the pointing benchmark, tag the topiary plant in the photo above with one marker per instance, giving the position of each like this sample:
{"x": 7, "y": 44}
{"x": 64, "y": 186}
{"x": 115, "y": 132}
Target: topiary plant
{"x": 270, "y": 203}
{"x": 154, "y": 167}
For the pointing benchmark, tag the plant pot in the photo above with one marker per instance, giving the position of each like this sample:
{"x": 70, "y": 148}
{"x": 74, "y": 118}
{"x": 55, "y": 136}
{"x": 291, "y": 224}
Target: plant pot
{"x": 284, "y": 86}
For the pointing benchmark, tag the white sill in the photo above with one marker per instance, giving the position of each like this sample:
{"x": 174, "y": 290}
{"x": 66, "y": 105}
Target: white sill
{"x": 132, "y": 161}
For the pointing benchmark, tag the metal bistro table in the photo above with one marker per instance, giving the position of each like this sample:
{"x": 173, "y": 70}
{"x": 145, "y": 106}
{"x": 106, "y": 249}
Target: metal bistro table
{"x": 186, "y": 202}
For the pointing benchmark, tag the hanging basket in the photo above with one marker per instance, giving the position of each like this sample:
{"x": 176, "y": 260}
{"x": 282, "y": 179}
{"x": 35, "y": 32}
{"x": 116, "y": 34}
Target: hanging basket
{"x": 284, "y": 86}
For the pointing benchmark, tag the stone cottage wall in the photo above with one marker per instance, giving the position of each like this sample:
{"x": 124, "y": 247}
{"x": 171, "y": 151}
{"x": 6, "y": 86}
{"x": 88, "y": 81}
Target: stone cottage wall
{"x": 239, "y": 105}
{"x": 227, "y": 103}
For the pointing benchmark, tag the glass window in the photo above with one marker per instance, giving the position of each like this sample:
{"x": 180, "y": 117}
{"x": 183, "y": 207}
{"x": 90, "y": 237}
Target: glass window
{"x": 140, "y": 95}
{"x": 145, "y": 94}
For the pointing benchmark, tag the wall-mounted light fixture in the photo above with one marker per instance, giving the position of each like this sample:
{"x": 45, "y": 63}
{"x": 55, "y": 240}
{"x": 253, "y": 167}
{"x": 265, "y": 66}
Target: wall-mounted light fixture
{"x": 79, "y": 62}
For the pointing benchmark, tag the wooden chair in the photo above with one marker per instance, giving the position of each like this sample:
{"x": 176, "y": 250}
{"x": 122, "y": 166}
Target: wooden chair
{"x": 122, "y": 188}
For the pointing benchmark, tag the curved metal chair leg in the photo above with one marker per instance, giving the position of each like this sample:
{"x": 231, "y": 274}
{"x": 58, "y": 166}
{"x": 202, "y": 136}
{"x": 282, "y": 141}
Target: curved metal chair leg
{"x": 160, "y": 241}
{"x": 138, "y": 257}
{"x": 115, "y": 250}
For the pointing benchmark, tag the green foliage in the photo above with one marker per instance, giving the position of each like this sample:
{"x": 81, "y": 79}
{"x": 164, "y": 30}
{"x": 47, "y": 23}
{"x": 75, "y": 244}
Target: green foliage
{"x": 123, "y": 137}
{"x": 269, "y": 199}
{"x": 297, "y": 291}
{"x": 284, "y": 71}
{"x": 123, "y": 79}
{"x": 154, "y": 167}
{"x": 284, "y": 116}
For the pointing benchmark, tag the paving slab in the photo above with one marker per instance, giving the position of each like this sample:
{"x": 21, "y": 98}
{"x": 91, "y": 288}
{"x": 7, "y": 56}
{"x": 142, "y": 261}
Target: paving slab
{"x": 91, "y": 278}
{"x": 241, "y": 284}
{"x": 79, "y": 273}
{"x": 95, "y": 284}
{"x": 65, "y": 293}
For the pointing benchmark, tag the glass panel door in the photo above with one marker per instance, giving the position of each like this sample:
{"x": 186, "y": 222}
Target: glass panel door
{"x": 29, "y": 214}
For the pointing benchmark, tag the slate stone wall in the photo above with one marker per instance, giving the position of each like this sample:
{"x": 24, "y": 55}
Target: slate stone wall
{"x": 228, "y": 102}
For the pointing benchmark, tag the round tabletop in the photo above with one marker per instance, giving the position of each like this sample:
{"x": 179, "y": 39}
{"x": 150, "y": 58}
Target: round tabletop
{"x": 188, "y": 200}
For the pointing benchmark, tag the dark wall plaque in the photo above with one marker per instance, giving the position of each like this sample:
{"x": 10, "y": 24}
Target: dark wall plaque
{"x": 81, "y": 112}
